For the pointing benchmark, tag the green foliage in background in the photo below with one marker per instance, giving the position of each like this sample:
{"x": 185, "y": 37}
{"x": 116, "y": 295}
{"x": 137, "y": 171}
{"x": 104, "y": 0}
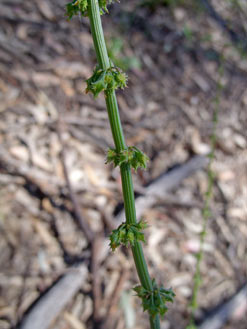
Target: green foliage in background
{"x": 155, "y": 4}
{"x": 115, "y": 47}
{"x": 206, "y": 211}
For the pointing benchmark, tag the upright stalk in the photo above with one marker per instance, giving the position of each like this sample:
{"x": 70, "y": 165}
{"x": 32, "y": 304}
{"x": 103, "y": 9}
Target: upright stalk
{"x": 107, "y": 78}
{"x": 119, "y": 141}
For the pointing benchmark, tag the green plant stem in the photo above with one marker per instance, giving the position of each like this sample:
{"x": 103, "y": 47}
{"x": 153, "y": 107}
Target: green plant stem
{"x": 154, "y": 323}
{"x": 118, "y": 137}
{"x": 97, "y": 34}
{"x": 114, "y": 119}
{"x": 206, "y": 213}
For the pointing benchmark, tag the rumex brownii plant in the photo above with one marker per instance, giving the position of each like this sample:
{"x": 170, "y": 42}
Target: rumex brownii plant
{"x": 206, "y": 212}
{"x": 107, "y": 78}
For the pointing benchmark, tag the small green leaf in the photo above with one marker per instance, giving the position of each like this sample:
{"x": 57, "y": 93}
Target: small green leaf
{"x": 76, "y": 6}
{"x": 111, "y": 156}
{"x": 142, "y": 225}
{"x": 140, "y": 237}
{"x": 132, "y": 155}
{"x": 122, "y": 232}
{"x": 106, "y": 80}
{"x": 114, "y": 240}
{"x": 131, "y": 237}
{"x": 96, "y": 83}
{"x": 155, "y": 301}
{"x": 121, "y": 79}
{"x": 126, "y": 234}
{"x": 81, "y": 6}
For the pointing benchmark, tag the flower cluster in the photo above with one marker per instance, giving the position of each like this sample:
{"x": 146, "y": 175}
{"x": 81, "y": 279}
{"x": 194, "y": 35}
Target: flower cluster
{"x": 132, "y": 155}
{"x": 81, "y": 6}
{"x": 127, "y": 234}
{"x": 106, "y": 80}
{"x": 155, "y": 301}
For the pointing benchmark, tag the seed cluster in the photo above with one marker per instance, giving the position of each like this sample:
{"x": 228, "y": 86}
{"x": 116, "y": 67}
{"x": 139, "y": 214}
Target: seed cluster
{"x": 127, "y": 234}
{"x": 131, "y": 155}
{"x": 81, "y": 7}
{"x": 106, "y": 80}
{"x": 154, "y": 301}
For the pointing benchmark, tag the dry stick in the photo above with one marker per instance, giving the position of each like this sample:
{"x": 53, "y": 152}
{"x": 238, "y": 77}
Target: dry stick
{"x": 49, "y": 306}
{"x": 81, "y": 221}
{"x": 96, "y": 281}
{"x": 47, "y": 184}
{"x": 235, "y": 38}
{"x": 165, "y": 183}
{"x": 94, "y": 241}
{"x": 114, "y": 298}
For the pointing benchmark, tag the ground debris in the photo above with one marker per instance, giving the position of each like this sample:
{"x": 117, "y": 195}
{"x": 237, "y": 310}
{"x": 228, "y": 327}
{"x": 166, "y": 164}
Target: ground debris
{"x": 59, "y": 201}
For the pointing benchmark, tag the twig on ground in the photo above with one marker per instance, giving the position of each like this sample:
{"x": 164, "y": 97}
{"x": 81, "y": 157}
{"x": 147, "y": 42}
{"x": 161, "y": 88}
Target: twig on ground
{"x": 48, "y": 184}
{"x": 113, "y": 300}
{"x": 46, "y": 309}
{"x": 94, "y": 241}
{"x": 227, "y": 311}
{"x": 235, "y": 38}
{"x": 165, "y": 183}
{"x": 81, "y": 221}
{"x": 96, "y": 281}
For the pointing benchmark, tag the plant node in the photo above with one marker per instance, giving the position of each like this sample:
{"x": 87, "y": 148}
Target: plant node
{"x": 81, "y": 6}
{"x": 106, "y": 80}
{"x": 154, "y": 301}
{"x": 127, "y": 234}
{"x": 132, "y": 155}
